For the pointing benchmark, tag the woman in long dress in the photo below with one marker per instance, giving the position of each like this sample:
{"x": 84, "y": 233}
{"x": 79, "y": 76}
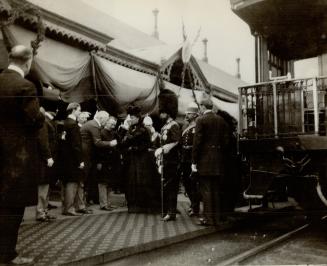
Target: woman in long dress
{"x": 142, "y": 180}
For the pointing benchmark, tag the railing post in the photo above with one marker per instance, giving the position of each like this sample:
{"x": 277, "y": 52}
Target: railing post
{"x": 275, "y": 110}
{"x": 302, "y": 111}
{"x": 240, "y": 115}
{"x": 315, "y": 106}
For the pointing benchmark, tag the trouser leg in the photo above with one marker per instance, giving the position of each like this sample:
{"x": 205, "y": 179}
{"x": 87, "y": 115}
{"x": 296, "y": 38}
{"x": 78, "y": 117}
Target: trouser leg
{"x": 211, "y": 199}
{"x": 10, "y": 220}
{"x": 42, "y": 200}
{"x": 103, "y": 195}
{"x": 191, "y": 187}
{"x": 79, "y": 199}
{"x": 70, "y": 194}
{"x": 108, "y": 196}
{"x": 171, "y": 188}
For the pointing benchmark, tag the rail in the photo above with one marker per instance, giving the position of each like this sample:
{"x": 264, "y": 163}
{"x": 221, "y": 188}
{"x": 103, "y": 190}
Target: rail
{"x": 283, "y": 108}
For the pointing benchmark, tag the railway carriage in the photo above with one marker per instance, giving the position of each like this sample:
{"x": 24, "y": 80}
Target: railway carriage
{"x": 282, "y": 120}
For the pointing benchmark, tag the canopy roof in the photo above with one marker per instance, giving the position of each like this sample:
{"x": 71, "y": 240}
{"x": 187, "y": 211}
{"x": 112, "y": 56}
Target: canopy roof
{"x": 294, "y": 29}
{"x": 82, "y": 13}
{"x": 222, "y": 82}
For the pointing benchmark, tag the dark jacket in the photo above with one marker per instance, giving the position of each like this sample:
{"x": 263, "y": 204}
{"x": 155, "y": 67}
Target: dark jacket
{"x": 20, "y": 121}
{"x": 47, "y": 149}
{"x": 171, "y": 133}
{"x": 91, "y": 140}
{"x": 110, "y": 159}
{"x": 71, "y": 151}
{"x": 209, "y": 143}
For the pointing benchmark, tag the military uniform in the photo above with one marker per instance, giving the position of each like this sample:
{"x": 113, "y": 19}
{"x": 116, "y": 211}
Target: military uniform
{"x": 191, "y": 186}
{"x": 170, "y": 133}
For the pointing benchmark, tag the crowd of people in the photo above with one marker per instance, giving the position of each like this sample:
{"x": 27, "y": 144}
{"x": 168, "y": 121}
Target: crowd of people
{"x": 92, "y": 156}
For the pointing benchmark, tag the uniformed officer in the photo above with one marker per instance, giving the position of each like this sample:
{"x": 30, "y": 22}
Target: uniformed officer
{"x": 190, "y": 184}
{"x": 169, "y": 140}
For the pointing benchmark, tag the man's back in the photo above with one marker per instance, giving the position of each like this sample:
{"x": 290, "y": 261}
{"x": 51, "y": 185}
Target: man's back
{"x": 209, "y": 143}
{"x": 19, "y": 107}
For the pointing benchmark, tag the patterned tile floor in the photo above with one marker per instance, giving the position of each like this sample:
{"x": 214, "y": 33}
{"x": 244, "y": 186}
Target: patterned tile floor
{"x": 96, "y": 237}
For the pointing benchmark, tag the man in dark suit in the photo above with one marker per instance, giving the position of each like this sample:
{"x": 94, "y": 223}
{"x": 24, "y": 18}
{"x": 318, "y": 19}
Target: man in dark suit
{"x": 209, "y": 144}
{"x": 72, "y": 158}
{"x": 20, "y": 120}
{"x": 91, "y": 141}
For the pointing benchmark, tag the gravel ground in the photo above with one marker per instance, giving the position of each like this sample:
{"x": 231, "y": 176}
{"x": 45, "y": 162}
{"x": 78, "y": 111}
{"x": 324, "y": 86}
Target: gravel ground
{"x": 309, "y": 247}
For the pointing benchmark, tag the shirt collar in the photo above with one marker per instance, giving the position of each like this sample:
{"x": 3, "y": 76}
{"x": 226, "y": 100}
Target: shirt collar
{"x": 71, "y": 116}
{"x": 96, "y": 120}
{"x": 17, "y": 69}
{"x": 207, "y": 111}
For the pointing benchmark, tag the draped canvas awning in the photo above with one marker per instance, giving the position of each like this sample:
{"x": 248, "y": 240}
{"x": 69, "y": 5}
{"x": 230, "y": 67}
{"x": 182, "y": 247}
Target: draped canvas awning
{"x": 186, "y": 97}
{"x": 79, "y": 76}
{"x": 129, "y": 86}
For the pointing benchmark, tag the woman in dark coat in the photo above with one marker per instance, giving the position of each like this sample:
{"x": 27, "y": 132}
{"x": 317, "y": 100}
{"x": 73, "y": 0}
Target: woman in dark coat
{"x": 142, "y": 180}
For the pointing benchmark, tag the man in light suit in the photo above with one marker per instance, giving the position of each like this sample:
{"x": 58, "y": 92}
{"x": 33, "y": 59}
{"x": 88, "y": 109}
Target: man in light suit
{"x": 209, "y": 144}
{"x": 20, "y": 121}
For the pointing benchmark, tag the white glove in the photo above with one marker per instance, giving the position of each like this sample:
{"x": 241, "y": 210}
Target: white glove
{"x": 160, "y": 169}
{"x": 81, "y": 165}
{"x": 194, "y": 168}
{"x": 50, "y": 162}
{"x": 113, "y": 143}
{"x": 158, "y": 152}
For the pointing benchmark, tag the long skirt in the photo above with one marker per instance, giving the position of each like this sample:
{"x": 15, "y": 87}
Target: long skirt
{"x": 142, "y": 183}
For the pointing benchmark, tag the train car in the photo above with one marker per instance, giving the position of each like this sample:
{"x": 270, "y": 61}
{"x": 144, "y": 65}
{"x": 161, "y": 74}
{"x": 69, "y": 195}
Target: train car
{"x": 282, "y": 140}
{"x": 283, "y": 120}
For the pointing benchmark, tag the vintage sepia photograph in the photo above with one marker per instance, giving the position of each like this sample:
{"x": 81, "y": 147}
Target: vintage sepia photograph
{"x": 163, "y": 132}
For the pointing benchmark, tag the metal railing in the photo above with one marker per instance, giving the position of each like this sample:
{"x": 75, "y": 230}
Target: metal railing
{"x": 283, "y": 108}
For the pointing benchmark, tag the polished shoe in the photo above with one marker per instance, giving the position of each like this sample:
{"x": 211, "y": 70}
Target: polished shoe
{"x": 71, "y": 214}
{"x": 106, "y": 208}
{"x": 50, "y": 206}
{"x": 50, "y": 217}
{"x": 21, "y": 261}
{"x": 85, "y": 211}
{"x": 169, "y": 217}
{"x": 193, "y": 213}
{"x": 42, "y": 219}
{"x": 203, "y": 222}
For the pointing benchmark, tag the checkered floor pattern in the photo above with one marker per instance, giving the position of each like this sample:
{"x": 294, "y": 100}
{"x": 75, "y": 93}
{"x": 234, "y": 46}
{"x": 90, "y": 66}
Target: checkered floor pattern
{"x": 74, "y": 239}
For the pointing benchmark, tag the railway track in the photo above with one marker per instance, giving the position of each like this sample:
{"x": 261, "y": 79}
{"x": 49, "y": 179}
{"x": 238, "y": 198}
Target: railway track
{"x": 245, "y": 257}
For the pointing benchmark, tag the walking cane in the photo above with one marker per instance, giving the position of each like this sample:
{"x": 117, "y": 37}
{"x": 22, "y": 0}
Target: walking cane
{"x": 162, "y": 184}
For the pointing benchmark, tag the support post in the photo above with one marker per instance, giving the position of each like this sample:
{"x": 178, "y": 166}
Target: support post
{"x": 315, "y": 106}
{"x": 275, "y": 110}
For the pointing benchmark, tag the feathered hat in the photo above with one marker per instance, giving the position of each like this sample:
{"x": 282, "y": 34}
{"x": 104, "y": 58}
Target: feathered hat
{"x": 168, "y": 103}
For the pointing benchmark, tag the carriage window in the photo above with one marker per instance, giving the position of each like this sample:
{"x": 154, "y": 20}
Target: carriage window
{"x": 294, "y": 108}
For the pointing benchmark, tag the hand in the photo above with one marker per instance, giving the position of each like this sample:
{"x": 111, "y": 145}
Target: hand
{"x": 42, "y": 110}
{"x": 50, "y": 162}
{"x": 113, "y": 143}
{"x": 194, "y": 168}
{"x": 99, "y": 166}
{"x": 81, "y": 165}
{"x": 158, "y": 152}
